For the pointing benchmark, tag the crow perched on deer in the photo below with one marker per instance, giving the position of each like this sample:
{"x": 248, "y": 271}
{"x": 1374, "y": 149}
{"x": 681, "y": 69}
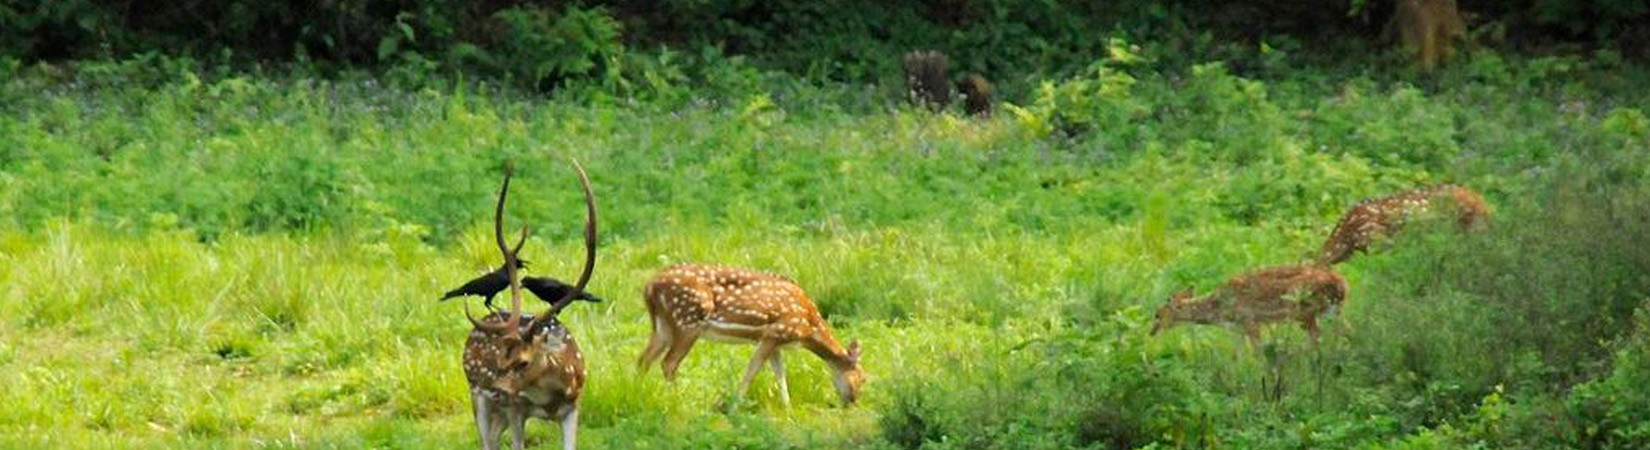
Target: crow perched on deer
{"x": 550, "y": 289}
{"x": 489, "y": 285}
{"x": 485, "y": 286}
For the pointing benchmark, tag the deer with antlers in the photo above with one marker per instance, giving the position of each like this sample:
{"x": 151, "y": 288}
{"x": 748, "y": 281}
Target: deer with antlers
{"x": 520, "y": 365}
{"x": 1384, "y": 217}
{"x": 1251, "y": 300}
{"x": 688, "y": 301}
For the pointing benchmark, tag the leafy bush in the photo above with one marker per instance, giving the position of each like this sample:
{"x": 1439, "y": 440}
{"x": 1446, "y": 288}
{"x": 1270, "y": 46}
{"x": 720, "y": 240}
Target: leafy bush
{"x": 1539, "y": 298}
{"x": 1614, "y": 411}
{"x": 1097, "y": 388}
{"x": 1223, "y": 116}
{"x": 1098, "y": 100}
{"x": 543, "y": 49}
{"x": 1402, "y": 128}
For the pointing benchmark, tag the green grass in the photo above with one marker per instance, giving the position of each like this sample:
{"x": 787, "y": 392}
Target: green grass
{"x": 254, "y": 262}
{"x": 174, "y": 342}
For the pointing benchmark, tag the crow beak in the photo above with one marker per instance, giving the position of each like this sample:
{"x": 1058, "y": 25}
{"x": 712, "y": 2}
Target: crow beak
{"x": 589, "y": 297}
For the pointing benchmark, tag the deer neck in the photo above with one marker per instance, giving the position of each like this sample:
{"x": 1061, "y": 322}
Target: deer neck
{"x": 1205, "y": 311}
{"x": 828, "y": 349}
{"x": 845, "y": 372}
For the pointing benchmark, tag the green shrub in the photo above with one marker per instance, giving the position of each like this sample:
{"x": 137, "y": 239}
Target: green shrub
{"x": 1536, "y": 299}
{"x": 1218, "y": 115}
{"x": 1097, "y": 388}
{"x": 544, "y": 49}
{"x": 1400, "y": 128}
{"x": 1614, "y": 410}
{"x": 1097, "y": 101}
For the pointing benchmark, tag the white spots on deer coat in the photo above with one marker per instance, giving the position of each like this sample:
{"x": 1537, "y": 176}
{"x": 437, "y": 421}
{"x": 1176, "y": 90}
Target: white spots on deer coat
{"x": 737, "y": 303}
{"x": 1382, "y": 217}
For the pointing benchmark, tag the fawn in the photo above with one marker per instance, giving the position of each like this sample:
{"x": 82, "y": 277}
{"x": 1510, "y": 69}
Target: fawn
{"x": 1300, "y": 293}
{"x": 1384, "y": 217}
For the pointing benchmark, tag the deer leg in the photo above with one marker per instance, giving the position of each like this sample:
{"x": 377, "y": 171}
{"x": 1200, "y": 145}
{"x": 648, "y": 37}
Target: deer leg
{"x": 1276, "y": 369}
{"x": 484, "y": 425}
{"x": 570, "y": 429}
{"x": 1251, "y": 332}
{"x": 656, "y": 345}
{"x": 679, "y": 346}
{"x": 1251, "y": 337}
{"x": 778, "y": 366}
{"x": 764, "y": 351}
{"x": 518, "y": 427}
{"x": 1311, "y": 326}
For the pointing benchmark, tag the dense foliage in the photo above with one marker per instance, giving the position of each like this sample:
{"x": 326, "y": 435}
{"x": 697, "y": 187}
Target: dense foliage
{"x": 543, "y": 44}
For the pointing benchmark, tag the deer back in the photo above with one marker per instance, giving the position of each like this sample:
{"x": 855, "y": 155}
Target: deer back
{"x": 1383, "y": 217}
{"x": 733, "y": 302}
{"x": 1297, "y": 290}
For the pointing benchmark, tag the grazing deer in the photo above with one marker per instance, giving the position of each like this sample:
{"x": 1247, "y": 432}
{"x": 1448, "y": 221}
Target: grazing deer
{"x": 1384, "y": 217}
{"x": 1427, "y": 27}
{"x": 519, "y": 369}
{"x": 1253, "y": 299}
{"x": 687, "y": 301}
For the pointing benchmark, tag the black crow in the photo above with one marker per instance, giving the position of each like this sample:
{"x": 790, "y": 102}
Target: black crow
{"x": 550, "y": 289}
{"x": 486, "y": 285}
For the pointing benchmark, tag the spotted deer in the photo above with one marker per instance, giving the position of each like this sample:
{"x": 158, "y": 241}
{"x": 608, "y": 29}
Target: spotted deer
{"x": 1251, "y": 300}
{"x": 521, "y": 365}
{"x": 1384, "y": 217}
{"x": 686, "y": 302}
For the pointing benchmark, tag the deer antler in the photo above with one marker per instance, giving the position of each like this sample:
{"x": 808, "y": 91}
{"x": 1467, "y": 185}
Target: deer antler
{"x": 589, "y": 249}
{"x": 509, "y": 264}
{"x": 516, "y": 250}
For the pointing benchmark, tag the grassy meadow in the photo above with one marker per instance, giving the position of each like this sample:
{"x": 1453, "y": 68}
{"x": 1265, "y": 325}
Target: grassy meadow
{"x": 253, "y": 261}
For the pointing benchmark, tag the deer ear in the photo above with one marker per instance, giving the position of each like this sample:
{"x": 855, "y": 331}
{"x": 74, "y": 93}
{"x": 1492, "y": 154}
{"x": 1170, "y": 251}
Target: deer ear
{"x": 853, "y": 350}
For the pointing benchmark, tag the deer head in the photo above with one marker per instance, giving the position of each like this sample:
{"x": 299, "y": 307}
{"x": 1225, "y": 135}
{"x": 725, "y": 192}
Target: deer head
{"x": 1171, "y": 313}
{"x": 848, "y": 379}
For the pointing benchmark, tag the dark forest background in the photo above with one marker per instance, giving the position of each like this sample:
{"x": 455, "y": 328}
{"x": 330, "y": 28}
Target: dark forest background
{"x": 544, "y": 44}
